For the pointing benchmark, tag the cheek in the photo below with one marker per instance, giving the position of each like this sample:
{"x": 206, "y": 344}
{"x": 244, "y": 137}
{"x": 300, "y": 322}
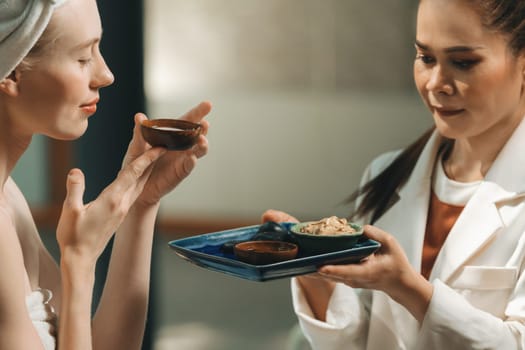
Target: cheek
{"x": 52, "y": 92}
{"x": 48, "y": 102}
{"x": 54, "y": 87}
{"x": 420, "y": 80}
{"x": 51, "y": 97}
{"x": 501, "y": 87}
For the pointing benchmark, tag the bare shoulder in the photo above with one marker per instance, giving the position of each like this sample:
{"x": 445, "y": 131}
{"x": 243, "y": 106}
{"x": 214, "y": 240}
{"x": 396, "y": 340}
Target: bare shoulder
{"x": 41, "y": 268}
{"x": 16, "y": 201}
{"x": 17, "y": 224}
{"x": 15, "y": 324}
{"x": 21, "y": 213}
{"x": 13, "y": 277}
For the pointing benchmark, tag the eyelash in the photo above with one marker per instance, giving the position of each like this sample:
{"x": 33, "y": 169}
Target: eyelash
{"x": 465, "y": 64}
{"x": 424, "y": 58}
{"x": 460, "y": 64}
{"x": 84, "y": 62}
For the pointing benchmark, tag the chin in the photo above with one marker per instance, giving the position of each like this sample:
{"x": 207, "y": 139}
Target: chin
{"x": 455, "y": 128}
{"x": 69, "y": 135}
{"x": 76, "y": 136}
{"x": 450, "y": 132}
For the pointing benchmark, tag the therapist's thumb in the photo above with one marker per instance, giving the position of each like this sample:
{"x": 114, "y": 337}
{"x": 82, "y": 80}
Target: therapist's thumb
{"x": 75, "y": 185}
{"x": 375, "y": 233}
{"x": 388, "y": 241}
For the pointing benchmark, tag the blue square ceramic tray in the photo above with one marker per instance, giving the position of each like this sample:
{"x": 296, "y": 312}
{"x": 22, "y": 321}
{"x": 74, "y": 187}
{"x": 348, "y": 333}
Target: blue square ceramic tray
{"x": 204, "y": 250}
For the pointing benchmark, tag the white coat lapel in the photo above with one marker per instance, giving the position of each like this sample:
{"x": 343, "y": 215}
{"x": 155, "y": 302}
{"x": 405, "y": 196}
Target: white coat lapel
{"x": 479, "y": 220}
{"x": 406, "y": 219}
{"x": 481, "y": 217}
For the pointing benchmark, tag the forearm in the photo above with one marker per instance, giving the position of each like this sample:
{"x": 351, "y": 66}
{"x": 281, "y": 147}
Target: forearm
{"x": 414, "y": 292}
{"x": 120, "y": 317}
{"x": 75, "y": 316}
{"x": 317, "y": 293}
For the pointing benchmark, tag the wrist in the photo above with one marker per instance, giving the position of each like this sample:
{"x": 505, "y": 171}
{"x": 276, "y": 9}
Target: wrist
{"x": 317, "y": 292}
{"x": 78, "y": 281}
{"x": 141, "y": 206}
{"x": 140, "y": 219}
{"x": 415, "y": 294}
{"x": 76, "y": 269}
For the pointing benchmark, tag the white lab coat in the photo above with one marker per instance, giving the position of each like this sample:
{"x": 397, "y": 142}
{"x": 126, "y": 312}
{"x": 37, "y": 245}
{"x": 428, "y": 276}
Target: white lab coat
{"x": 479, "y": 284}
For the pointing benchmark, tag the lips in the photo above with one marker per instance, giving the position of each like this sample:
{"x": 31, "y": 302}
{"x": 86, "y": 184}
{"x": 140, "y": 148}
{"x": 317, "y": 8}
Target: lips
{"x": 90, "y": 107}
{"x": 448, "y": 112}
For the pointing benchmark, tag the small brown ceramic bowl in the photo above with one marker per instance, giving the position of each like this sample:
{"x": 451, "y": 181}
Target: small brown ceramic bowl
{"x": 265, "y": 252}
{"x": 173, "y": 134}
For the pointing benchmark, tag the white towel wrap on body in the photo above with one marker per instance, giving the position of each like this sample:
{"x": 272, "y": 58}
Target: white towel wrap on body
{"x": 43, "y": 316}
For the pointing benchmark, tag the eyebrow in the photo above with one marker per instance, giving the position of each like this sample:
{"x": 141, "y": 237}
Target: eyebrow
{"x": 460, "y": 48}
{"x": 88, "y": 43}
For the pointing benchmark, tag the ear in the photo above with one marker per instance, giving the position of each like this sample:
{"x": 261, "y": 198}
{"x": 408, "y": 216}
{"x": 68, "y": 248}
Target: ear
{"x": 521, "y": 69}
{"x": 9, "y": 85}
{"x": 521, "y": 60}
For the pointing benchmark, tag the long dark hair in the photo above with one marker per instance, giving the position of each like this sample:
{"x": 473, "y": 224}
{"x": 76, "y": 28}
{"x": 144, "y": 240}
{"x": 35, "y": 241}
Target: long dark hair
{"x": 378, "y": 193}
{"x": 504, "y": 16}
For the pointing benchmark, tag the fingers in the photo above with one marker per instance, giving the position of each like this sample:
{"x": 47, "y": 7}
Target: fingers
{"x": 137, "y": 132}
{"x": 139, "y": 118}
{"x": 355, "y": 270}
{"x": 277, "y": 216}
{"x": 205, "y": 127}
{"x": 130, "y": 181}
{"x": 137, "y": 168}
{"x": 188, "y": 165}
{"x": 312, "y": 276}
{"x": 132, "y": 172}
{"x": 362, "y": 275}
{"x": 389, "y": 245}
{"x": 340, "y": 272}
{"x": 137, "y": 145}
{"x": 75, "y": 186}
{"x": 376, "y": 234}
{"x": 198, "y": 112}
{"x": 202, "y": 147}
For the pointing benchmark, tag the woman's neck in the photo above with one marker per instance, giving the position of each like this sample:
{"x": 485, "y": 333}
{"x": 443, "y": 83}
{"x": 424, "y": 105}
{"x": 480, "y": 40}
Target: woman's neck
{"x": 471, "y": 158}
{"x": 12, "y": 147}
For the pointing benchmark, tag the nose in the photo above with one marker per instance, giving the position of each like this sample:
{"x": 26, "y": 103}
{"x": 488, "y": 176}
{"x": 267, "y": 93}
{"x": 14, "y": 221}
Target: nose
{"x": 438, "y": 81}
{"x": 102, "y": 75}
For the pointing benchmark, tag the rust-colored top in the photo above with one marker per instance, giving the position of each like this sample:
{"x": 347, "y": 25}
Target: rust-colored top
{"x": 441, "y": 218}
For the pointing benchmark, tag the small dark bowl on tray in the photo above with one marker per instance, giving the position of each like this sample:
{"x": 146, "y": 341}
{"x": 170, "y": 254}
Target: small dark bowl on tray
{"x": 269, "y": 231}
{"x": 265, "y": 252}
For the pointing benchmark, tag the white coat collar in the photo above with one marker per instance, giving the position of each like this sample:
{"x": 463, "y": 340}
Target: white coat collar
{"x": 481, "y": 218}
{"x": 406, "y": 219}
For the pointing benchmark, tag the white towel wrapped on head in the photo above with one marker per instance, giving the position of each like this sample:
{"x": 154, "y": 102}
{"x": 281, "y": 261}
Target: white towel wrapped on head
{"x": 22, "y": 22}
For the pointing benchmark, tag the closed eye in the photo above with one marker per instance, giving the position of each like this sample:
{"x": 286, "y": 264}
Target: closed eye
{"x": 425, "y": 58}
{"x": 465, "y": 64}
{"x": 84, "y": 61}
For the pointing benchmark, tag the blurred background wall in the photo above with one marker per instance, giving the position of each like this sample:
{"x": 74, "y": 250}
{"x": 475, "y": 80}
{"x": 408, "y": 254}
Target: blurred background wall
{"x": 305, "y": 92}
